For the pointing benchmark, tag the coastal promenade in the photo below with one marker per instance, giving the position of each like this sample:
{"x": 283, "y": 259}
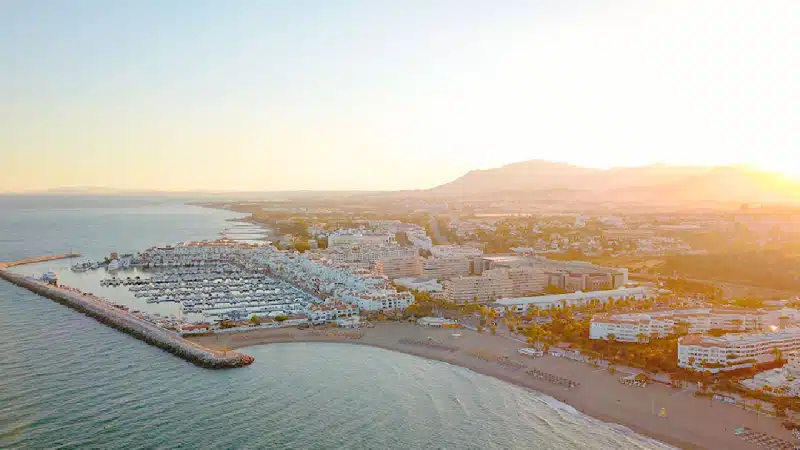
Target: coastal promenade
{"x": 122, "y": 320}
{"x": 689, "y": 422}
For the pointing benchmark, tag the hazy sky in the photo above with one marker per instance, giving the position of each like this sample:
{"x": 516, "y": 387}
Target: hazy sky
{"x": 372, "y": 94}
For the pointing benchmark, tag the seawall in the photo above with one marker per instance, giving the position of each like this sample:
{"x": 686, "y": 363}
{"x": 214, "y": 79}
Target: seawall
{"x": 127, "y": 323}
{"x": 39, "y": 259}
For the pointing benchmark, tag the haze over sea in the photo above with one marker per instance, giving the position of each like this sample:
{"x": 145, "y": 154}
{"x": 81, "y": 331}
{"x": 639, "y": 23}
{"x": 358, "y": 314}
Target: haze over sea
{"x": 67, "y": 381}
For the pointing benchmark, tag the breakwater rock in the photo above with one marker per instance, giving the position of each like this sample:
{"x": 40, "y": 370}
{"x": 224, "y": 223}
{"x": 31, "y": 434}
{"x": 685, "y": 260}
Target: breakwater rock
{"x": 128, "y": 323}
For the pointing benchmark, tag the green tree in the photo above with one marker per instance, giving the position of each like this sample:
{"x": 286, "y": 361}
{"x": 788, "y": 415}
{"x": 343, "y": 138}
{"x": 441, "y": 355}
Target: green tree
{"x": 281, "y": 318}
{"x": 255, "y": 320}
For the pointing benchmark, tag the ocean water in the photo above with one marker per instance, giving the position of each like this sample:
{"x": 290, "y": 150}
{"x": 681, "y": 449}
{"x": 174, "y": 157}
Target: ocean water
{"x": 67, "y": 381}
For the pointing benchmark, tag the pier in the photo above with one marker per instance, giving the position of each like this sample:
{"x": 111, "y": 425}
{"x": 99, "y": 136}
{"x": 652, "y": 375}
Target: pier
{"x": 38, "y": 259}
{"x": 124, "y": 321}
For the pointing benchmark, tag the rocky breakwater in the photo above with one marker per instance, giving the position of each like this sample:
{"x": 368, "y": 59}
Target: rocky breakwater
{"x": 120, "y": 319}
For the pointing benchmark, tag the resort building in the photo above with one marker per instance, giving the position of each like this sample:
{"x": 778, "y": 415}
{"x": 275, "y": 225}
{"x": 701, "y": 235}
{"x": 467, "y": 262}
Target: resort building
{"x": 348, "y": 322}
{"x": 521, "y": 304}
{"x": 782, "y": 382}
{"x": 330, "y": 312}
{"x": 628, "y": 327}
{"x": 661, "y": 323}
{"x": 479, "y": 288}
{"x": 525, "y": 280}
{"x": 569, "y": 275}
{"x": 378, "y": 300}
{"x": 357, "y": 239}
{"x": 366, "y": 256}
{"x": 400, "y": 266}
{"x": 442, "y": 268}
{"x": 734, "y": 351}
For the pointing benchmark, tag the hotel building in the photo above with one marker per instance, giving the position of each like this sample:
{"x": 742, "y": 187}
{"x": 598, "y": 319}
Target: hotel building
{"x": 480, "y": 289}
{"x": 734, "y": 351}
{"x": 661, "y": 323}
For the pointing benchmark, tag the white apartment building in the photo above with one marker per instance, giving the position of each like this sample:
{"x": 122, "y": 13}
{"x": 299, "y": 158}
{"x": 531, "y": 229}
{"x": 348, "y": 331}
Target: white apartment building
{"x": 733, "y": 351}
{"x": 702, "y": 320}
{"x": 357, "y": 239}
{"x": 525, "y": 280}
{"x": 628, "y": 327}
{"x": 521, "y": 304}
{"x": 330, "y": 312}
{"x": 446, "y": 267}
{"x": 449, "y": 251}
{"x": 379, "y": 300}
{"x": 399, "y": 267}
{"x": 366, "y": 256}
{"x": 478, "y": 288}
{"x": 661, "y": 323}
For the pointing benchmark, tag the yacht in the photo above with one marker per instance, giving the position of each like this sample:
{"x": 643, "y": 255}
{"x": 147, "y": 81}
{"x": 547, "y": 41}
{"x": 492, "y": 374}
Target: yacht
{"x": 81, "y": 267}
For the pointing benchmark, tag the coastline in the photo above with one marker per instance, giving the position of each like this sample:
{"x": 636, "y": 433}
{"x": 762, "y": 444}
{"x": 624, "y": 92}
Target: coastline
{"x": 691, "y": 422}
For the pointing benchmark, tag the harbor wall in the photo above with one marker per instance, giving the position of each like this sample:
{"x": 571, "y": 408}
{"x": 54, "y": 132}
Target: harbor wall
{"x": 131, "y": 325}
{"x": 39, "y": 259}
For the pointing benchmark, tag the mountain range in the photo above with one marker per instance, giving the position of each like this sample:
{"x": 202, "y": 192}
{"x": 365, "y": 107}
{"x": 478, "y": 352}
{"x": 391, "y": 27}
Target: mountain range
{"x": 658, "y": 183}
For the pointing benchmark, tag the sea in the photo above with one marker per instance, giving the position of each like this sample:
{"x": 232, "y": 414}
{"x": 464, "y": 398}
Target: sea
{"x": 67, "y": 381}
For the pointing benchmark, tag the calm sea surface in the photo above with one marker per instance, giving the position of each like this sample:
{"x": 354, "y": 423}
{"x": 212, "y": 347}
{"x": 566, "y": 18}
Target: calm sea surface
{"x": 67, "y": 381}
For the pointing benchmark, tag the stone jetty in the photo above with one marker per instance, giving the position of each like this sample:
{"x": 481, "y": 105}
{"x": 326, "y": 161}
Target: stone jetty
{"x": 39, "y": 259}
{"x": 122, "y": 320}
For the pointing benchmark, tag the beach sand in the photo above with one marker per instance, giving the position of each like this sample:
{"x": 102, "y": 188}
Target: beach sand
{"x": 690, "y": 422}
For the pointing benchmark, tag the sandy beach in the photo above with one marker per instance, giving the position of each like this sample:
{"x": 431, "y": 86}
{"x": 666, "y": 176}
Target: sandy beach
{"x": 690, "y": 422}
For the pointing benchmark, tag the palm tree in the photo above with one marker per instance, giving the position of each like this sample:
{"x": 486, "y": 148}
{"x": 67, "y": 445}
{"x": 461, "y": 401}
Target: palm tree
{"x": 612, "y": 337}
{"x": 778, "y": 354}
{"x": 641, "y": 338}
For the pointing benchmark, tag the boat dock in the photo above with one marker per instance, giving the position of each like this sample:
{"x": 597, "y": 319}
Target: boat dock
{"x": 122, "y": 320}
{"x": 38, "y": 259}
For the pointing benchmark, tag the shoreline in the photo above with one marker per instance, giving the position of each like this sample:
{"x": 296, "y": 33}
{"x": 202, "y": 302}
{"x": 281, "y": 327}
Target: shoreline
{"x": 691, "y": 422}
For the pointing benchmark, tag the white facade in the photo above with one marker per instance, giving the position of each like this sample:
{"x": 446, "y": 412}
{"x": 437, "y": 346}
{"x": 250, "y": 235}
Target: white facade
{"x": 379, "y": 300}
{"x": 732, "y": 351}
{"x": 521, "y": 304}
{"x": 353, "y": 239}
{"x": 400, "y": 267}
{"x": 525, "y": 280}
{"x": 626, "y": 327}
{"x": 323, "y": 313}
{"x": 478, "y": 288}
{"x": 442, "y": 268}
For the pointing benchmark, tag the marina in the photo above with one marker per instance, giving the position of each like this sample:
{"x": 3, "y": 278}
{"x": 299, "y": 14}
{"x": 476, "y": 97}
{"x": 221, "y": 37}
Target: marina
{"x": 212, "y": 282}
{"x": 126, "y": 321}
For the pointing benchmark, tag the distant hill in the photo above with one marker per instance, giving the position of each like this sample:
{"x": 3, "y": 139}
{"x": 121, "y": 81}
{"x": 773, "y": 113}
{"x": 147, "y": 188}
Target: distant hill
{"x": 659, "y": 183}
